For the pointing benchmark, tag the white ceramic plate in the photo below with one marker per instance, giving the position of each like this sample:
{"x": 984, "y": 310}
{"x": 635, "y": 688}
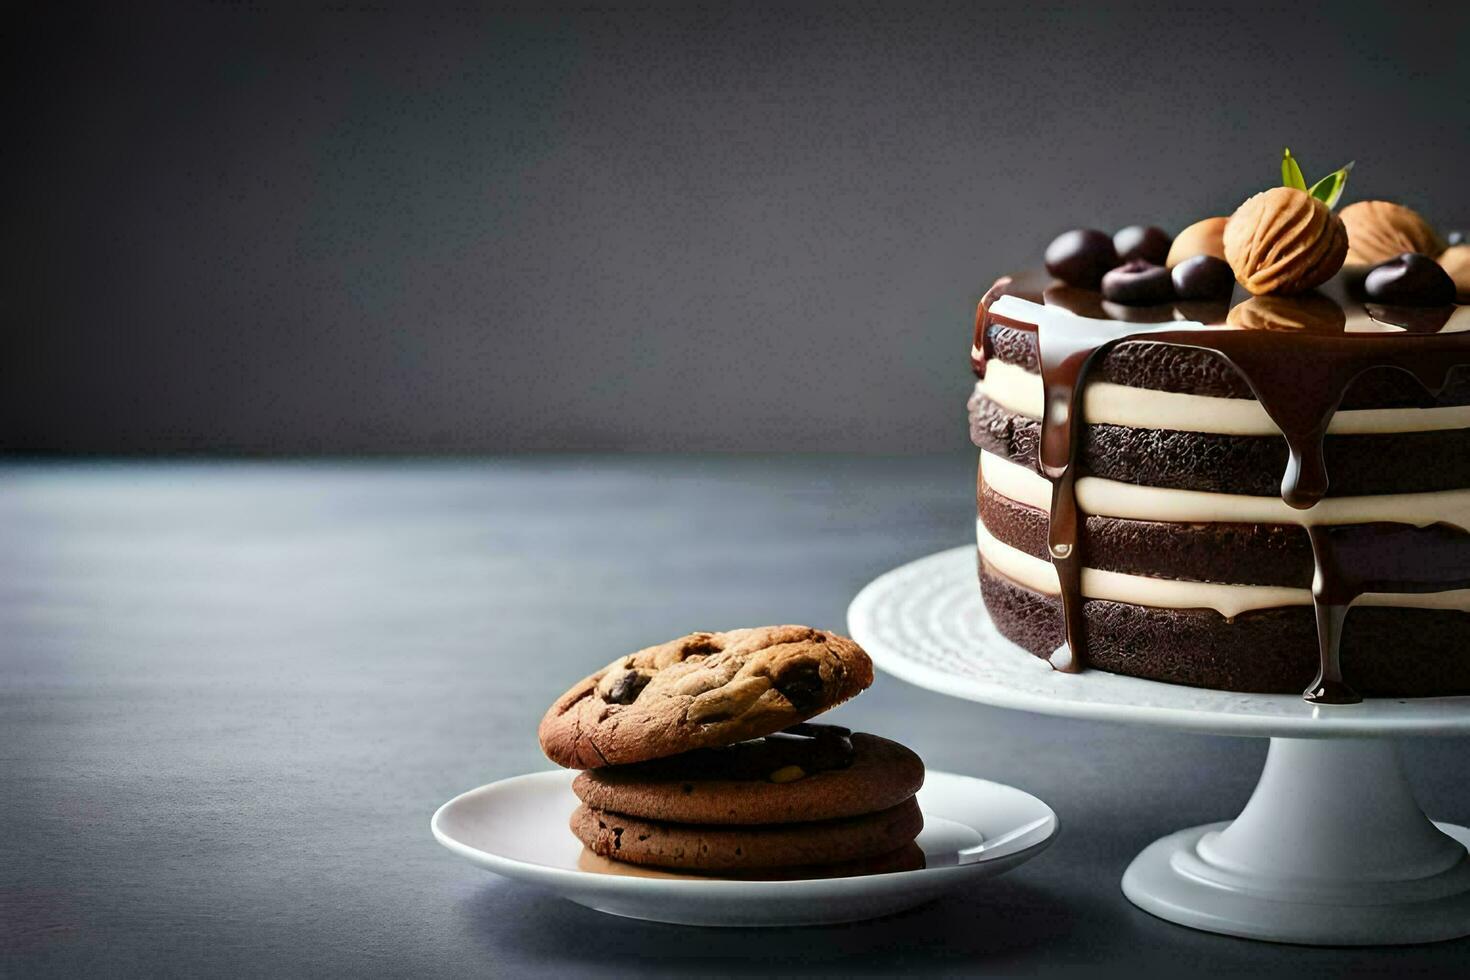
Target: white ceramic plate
{"x": 517, "y": 827}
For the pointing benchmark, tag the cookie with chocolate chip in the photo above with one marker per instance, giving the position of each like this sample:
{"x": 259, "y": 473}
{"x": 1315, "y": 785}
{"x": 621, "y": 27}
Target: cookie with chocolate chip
{"x": 712, "y": 848}
{"x": 700, "y": 691}
{"x": 807, "y": 772}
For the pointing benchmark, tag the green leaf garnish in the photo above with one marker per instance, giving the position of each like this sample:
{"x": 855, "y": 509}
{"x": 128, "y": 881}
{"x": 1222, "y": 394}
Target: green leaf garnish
{"x": 1291, "y": 174}
{"x": 1329, "y": 189}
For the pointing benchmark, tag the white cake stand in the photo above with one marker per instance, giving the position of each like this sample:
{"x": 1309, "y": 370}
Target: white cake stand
{"x": 1332, "y": 848}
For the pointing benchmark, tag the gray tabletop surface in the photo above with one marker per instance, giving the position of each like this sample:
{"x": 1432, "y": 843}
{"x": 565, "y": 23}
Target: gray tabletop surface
{"x": 232, "y": 694}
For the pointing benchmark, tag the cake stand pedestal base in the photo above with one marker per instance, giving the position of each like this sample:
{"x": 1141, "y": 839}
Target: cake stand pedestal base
{"x": 1332, "y": 849}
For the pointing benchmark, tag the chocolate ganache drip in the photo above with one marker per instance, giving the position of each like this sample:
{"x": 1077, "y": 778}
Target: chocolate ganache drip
{"x": 1299, "y": 368}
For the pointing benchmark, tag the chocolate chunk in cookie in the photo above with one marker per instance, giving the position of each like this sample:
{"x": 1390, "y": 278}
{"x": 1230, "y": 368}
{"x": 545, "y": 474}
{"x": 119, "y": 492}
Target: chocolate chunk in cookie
{"x": 700, "y": 691}
{"x": 810, "y": 772}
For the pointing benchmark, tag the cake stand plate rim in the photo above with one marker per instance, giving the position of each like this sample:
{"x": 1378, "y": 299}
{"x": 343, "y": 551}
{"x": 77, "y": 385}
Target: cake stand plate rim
{"x": 924, "y": 622}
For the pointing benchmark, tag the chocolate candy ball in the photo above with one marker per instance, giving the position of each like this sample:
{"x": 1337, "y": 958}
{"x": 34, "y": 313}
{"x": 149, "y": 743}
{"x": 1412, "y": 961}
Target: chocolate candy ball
{"x": 1080, "y": 257}
{"x": 1203, "y": 277}
{"x": 1410, "y": 279}
{"x": 1142, "y": 242}
{"x": 1138, "y": 283}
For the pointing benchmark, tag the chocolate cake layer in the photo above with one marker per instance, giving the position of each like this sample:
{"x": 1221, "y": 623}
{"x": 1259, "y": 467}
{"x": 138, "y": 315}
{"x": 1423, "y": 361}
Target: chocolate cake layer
{"x": 1388, "y": 651}
{"x": 1237, "y": 554}
{"x": 1398, "y": 462}
{"x": 1189, "y": 370}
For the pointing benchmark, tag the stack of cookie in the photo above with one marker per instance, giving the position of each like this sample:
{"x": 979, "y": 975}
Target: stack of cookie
{"x": 698, "y": 758}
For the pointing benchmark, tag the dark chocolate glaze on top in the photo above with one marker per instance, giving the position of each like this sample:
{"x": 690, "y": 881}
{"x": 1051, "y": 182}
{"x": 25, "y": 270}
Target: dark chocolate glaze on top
{"x": 1298, "y": 356}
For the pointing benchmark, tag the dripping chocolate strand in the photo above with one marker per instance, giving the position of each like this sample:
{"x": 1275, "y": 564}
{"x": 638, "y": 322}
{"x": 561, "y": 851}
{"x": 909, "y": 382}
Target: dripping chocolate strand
{"x": 1329, "y": 687}
{"x": 1065, "y": 352}
{"x": 1303, "y": 421}
{"x": 1065, "y": 356}
{"x": 1355, "y": 559}
{"x": 1064, "y": 544}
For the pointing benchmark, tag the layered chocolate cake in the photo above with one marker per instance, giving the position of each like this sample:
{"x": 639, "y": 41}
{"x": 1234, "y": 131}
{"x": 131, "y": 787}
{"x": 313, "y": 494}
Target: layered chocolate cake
{"x": 1237, "y": 459}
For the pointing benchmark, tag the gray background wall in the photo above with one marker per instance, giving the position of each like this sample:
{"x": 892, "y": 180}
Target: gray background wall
{"x": 389, "y": 227}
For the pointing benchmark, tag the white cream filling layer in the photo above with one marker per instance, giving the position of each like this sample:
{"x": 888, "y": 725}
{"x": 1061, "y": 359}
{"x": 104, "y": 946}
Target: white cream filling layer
{"x": 1112, "y": 498}
{"x": 1229, "y": 601}
{"x": 1017, "y": 390}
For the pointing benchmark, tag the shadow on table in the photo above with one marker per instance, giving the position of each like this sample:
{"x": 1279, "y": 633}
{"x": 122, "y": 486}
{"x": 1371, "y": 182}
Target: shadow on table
{"x": 996, "y": 924}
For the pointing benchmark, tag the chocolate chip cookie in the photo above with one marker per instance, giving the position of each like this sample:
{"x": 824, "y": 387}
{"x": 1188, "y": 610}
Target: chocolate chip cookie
{"x": 700, "y": 691}
{"x": 696, "y": 847}
{"x": 807, "y": 772}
